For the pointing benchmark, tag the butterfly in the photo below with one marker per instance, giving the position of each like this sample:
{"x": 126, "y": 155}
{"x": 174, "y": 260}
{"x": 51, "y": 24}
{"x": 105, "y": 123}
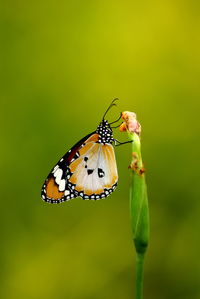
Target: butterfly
{"x": 88, "y": 170}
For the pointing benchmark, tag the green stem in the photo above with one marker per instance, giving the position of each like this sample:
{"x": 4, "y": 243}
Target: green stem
{"x": 139, "y": 275}
{"x": 139, "y": 211}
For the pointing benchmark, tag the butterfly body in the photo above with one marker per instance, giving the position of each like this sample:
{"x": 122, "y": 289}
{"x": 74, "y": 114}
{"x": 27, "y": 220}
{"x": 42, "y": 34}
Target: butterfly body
{"x": 88, "y": 170}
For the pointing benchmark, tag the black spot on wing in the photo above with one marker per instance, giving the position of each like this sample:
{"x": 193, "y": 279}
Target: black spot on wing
{"x": 101, "y": 173}
{"x": 86, "y": 159}
{"x": 90, "y": 171}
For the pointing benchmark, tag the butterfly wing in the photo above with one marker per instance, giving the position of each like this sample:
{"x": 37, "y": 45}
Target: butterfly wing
{"x": 55, "y": 188}
{"x": 93, "y": 175}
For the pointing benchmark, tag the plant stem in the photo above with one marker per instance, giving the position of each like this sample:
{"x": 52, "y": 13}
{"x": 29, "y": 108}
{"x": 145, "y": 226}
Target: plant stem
{"x": 139, "y": 276}
{"x": 139, "y": 211}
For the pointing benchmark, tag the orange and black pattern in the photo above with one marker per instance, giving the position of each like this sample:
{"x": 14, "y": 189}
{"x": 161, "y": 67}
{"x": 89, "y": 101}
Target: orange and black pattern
{"x": 88, "y": 170}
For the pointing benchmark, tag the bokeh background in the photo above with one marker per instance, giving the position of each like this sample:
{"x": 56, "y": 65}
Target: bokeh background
{"x": 62, "y": 62}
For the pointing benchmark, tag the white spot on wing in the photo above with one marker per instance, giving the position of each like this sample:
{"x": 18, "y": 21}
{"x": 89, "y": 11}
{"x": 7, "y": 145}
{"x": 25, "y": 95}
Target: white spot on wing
{"x": 58, "y": 175}
{"x": 56, "y": 171}
{"x": 55, "y": 168}
{"x": 67, "y": 192}
{"x": 62, "y": 185}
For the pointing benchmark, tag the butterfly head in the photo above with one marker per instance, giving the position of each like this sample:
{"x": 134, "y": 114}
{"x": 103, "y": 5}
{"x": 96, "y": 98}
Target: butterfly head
{"x": 104, "y": 129}
{"x": 105, "y": 132}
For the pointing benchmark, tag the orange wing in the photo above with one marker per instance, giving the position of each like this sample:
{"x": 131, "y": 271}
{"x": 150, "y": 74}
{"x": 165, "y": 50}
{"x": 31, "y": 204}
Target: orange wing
{"x": 55, "y": 188}
{"x": 94, "y": 174}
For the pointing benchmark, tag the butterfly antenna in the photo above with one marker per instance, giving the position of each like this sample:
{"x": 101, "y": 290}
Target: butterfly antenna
{"x": 116, "y": 121}
{"x": 110, "y": 106}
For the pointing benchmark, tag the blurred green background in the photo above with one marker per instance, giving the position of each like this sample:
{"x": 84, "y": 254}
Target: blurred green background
{"x": 62, "y": 62}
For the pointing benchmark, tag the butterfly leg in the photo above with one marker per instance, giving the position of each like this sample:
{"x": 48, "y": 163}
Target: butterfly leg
{"x": 121, "y": 143}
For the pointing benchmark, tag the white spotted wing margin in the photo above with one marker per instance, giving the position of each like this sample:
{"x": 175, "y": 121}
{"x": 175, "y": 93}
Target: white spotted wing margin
{"x": 55, "y": 188}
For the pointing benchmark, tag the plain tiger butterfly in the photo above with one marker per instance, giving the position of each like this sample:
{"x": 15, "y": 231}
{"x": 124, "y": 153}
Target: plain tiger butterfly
{"x": 88, "y": 170}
